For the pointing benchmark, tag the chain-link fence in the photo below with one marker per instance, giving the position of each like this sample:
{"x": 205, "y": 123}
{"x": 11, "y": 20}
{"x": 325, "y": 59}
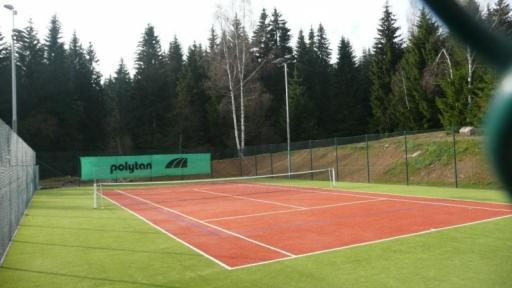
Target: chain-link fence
{"x": 434, "y": 157}
{"x": 18, "y": 182}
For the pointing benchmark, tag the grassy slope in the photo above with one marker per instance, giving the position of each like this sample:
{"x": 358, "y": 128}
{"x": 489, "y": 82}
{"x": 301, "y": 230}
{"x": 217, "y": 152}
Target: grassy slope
{"x": 62, "y": 242}
{"x": 430, "y": 161}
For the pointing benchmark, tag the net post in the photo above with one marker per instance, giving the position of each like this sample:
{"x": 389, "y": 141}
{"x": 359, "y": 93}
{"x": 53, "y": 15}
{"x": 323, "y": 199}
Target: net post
{"x": 329, "y": 172}
{"x": 94, "y": 195}
{"x": 333, "y": 183}
{"x": 101, "y": 196}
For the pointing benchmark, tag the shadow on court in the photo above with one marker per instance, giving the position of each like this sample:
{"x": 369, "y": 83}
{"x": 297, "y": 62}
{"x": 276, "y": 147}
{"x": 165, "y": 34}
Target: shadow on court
{"x": 85, "y": 277}
{"x": 107, "y": 248}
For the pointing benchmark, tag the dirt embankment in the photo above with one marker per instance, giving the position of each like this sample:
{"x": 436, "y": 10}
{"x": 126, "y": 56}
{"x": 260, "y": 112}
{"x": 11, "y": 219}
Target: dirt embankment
{"x": 430, "y": 161}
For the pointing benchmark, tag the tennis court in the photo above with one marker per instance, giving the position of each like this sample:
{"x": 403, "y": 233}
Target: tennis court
{"x": 241, "y": 223}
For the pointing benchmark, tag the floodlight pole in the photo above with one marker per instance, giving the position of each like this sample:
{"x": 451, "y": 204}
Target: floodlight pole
{"x": 284, "y": 61}
{"x": 287, "y": 119}
{"x": 13, "y": 73}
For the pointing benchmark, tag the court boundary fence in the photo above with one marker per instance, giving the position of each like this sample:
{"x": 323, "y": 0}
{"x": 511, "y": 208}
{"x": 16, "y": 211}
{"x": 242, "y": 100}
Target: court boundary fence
{"x": 355, "y": 158}
{"x": 19, "y": 179}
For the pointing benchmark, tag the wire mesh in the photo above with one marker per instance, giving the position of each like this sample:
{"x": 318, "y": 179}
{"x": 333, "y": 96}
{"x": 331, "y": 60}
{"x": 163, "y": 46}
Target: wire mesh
{"x": 18, "y": 182}
{"x": 473, "y": 168}
{"x": 386, "y": 158}
{"x": 429, "y": 158}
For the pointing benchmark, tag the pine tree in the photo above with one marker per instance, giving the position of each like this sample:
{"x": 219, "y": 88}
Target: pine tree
{"x": 303, "y": 124}
{"x": 272, "y": 38}
{"x": 279, "y": 35}
{"x": 308, "y": 70}
{"x": 323, "y": 89}
{"x": 261, "y": 37}
{"x": 363, "y": 89}
{"x": 30, "y": 57}
{"x": 174, "y": 67}
{"x": 387, "y": 52}
{"x": 118, "y": 90}
{"x": 500, "y": 17}
{"x": 62, "y": 106}
{"x": 151, "y": 103}
{"x": 213, "y": 41}
{"x": 94, "y": 107}
{"x": 86, "y": 88}
{"x": 5, "y": 80}
{"x": 192, "y": 102}
{"x": 36, "y": 124}
{"x": 414, "y": 90}
{"x": 346, "y": 108}
{"x": 322, "y": 46}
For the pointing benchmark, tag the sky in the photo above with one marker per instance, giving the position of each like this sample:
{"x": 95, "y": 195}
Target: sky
{"x": 115, "y": 26}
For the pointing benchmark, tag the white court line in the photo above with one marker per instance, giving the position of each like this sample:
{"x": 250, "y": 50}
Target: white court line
{"x": 372, "y": 242}
{"x": 248, "y": 198}
{"x": 415, "y": 196}
{"x": 342, "y": 192}
{"x": 171, "y": 235}
{"x": 294, "y": 210}
{"x": 301, "y": 255}
{"x": 299, "y": 188}
{"x": 208, "y": 224}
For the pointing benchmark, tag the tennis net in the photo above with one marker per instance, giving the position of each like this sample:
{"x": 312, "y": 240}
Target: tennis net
{"x": 264, "y": 183}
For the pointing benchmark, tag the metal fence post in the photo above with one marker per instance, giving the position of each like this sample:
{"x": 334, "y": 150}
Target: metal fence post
{"x": 211, "y": 165}
{"x": 256, "y": 164}
{"x": 337, "y": 165}
{"x": 406, "y": 160}
{"x": 455, "y": 172}
{"x": 367, "y": 157}
{"x": 311, "y": 158}
{"x": 79, "y": 166}
{"x": 271, "y": 161}
{"x": 241, "y": 163}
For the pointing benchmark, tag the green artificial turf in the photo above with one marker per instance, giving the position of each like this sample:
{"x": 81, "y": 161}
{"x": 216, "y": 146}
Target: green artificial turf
{"x": 63, "y": 242}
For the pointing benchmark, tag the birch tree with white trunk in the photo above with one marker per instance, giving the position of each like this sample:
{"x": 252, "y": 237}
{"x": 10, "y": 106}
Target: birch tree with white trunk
{"x": 237, "y": 56}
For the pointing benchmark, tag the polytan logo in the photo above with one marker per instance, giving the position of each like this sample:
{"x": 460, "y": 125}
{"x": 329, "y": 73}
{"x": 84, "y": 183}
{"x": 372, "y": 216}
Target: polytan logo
{"x": 130, "y": 167}
{"x": 181, "y": 162}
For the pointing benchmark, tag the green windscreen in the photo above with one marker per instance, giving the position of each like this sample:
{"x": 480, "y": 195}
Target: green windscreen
{"x": 115, "y": 167}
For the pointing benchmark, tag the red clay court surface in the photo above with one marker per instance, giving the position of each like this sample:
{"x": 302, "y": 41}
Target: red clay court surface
{"x": 240, "y": 225}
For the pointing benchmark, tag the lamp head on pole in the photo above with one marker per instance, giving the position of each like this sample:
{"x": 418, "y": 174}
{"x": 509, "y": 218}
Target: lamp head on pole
{"x": 9, "y": 6}
{"x": 284, "y": 60}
